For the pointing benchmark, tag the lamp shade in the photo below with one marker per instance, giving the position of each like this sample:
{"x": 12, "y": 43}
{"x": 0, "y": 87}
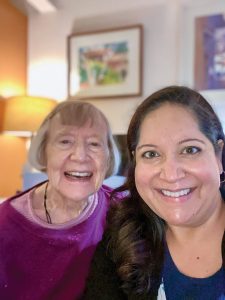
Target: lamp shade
{"x": 24, "y": 114}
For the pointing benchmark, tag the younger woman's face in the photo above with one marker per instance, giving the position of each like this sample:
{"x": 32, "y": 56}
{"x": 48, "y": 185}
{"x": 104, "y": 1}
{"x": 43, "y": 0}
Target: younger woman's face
{"x": 177, "y": 171}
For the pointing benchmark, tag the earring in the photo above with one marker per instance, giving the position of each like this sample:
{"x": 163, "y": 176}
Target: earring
{"x": 222, "y": 177}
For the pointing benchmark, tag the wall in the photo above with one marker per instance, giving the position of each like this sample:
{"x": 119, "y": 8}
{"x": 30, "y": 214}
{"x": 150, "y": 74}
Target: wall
{"x": 47, "y": 71}
{"x": 166, "y": 42}
{"x": 13, "y": 58}
{"x": 167, "y": 46}
{"x": 13, "y": 63}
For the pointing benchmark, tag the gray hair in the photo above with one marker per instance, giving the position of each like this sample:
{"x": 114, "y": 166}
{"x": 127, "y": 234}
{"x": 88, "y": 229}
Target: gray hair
{"x": 74, "y": 113}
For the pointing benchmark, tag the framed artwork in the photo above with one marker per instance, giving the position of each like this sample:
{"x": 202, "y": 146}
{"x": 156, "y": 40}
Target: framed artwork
{"x": 106, "y": 63}
{"x": 209, "y": 71}
{"x": 202, "y": 63}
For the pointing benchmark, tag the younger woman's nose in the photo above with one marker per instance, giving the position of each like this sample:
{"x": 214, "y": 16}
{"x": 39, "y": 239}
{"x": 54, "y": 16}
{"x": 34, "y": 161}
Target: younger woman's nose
{"x": 171, "y": 170}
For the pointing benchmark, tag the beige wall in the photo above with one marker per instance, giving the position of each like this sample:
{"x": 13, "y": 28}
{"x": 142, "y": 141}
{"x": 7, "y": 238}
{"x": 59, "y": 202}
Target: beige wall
{"x": 47, "y": 63}
{"x": 13, "y": 65}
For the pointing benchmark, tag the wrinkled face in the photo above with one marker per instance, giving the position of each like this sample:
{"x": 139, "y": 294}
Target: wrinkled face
{"x": 177, "y": 170}
{"x": 77, "y": 159}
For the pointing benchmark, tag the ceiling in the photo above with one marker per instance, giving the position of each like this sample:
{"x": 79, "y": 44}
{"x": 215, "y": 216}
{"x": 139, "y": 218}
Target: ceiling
{"x": 35, "y": 6}
{"x": 30, "y": 7}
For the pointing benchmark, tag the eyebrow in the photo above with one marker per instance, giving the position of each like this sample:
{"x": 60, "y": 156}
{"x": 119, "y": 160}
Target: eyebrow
{"x": 69, "y": 133}
{"x": 62, "y": 133}
{"x": 192, "y": 140}
{"x": 146, "y": 145}
{"x": 181, "y": 142}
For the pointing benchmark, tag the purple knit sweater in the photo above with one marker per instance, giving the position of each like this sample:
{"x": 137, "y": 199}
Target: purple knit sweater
{"x": 38, "y": 263}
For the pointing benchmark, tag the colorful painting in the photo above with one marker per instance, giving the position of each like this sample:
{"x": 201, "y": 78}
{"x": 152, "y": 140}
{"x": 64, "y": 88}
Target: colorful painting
{"x": 209, "y": 70}
{"x": 105, "y": 63}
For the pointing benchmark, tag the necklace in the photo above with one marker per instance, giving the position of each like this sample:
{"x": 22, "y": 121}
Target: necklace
{"x": 48, "y": 217}
{"x": 47, "y": 214}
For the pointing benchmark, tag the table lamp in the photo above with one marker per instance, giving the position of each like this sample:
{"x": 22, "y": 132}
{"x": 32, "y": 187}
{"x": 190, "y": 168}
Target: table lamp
{"x": 22, "y": 116}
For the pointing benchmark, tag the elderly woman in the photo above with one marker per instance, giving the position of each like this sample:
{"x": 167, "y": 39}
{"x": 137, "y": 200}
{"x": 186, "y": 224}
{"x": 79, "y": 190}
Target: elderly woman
{"x": 49, "y": 233}
{"x": 166, "y": 240}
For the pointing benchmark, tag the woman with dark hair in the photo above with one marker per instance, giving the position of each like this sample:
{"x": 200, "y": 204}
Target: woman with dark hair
{"x": 166, "y": 239}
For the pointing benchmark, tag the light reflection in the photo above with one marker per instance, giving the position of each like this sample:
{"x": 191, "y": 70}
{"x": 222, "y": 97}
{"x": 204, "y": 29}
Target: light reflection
{"x": 10, "y": 88}
{"x": 48, "y": 78}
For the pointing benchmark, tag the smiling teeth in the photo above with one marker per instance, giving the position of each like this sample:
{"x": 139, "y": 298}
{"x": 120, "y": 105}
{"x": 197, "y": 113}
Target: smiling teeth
{"x": 176, "y": 194}
{"x": 79, "y": 174}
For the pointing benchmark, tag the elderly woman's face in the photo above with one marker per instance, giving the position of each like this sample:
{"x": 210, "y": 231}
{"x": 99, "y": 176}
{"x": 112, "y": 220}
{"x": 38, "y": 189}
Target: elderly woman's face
{"x": 77, "y": 158}
{"x": 177, "y": 170}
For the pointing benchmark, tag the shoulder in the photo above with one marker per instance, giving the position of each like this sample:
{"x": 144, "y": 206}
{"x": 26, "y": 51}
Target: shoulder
{"x": 104, "y": 194}
{"x": 106, "y": 191}
{"x": 17, "y": 204}
{"x": 21, "y": 194}
{"x": 8, "y": 203}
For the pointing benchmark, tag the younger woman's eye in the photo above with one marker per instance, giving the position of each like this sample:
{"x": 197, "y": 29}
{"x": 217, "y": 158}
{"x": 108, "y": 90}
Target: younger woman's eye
{"x": 191, "y": 150}
{"x": 150, "y": 154}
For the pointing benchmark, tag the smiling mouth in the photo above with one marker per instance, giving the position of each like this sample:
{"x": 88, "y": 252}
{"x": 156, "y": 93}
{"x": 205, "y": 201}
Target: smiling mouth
{"x": 78, "y": 175}
{"x": 176, "y": 194}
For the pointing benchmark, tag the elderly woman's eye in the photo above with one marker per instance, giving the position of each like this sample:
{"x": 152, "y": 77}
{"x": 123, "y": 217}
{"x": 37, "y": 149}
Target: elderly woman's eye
{"x": 191, "y": 150}
{"x": 95, "y": 144}
{"x": 65, "y": 141}
{"x": 150, "y": 154}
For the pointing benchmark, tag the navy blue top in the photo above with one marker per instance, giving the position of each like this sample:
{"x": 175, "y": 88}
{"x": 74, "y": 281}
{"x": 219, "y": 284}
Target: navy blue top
{"x": 178, "y": 286}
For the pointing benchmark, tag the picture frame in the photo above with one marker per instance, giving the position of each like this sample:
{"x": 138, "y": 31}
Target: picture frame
{"x": 105, "y": 63}
{"x": 191, "y": 61}
{"x": 209, "y": 52}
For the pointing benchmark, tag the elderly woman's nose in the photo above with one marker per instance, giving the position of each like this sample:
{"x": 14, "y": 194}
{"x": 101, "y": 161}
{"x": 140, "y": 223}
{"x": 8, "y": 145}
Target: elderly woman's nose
{"x": 171, "y": 170}
{"x": 78, "y": 152}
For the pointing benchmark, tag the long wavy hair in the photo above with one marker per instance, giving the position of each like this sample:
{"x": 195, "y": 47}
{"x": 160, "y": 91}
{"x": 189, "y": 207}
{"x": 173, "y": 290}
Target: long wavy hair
{"x": 136, "y": 232}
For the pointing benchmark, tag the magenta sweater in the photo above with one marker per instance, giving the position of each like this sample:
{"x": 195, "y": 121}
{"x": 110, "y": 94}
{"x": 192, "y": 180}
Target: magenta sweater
{"x": 39, "y": 263}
